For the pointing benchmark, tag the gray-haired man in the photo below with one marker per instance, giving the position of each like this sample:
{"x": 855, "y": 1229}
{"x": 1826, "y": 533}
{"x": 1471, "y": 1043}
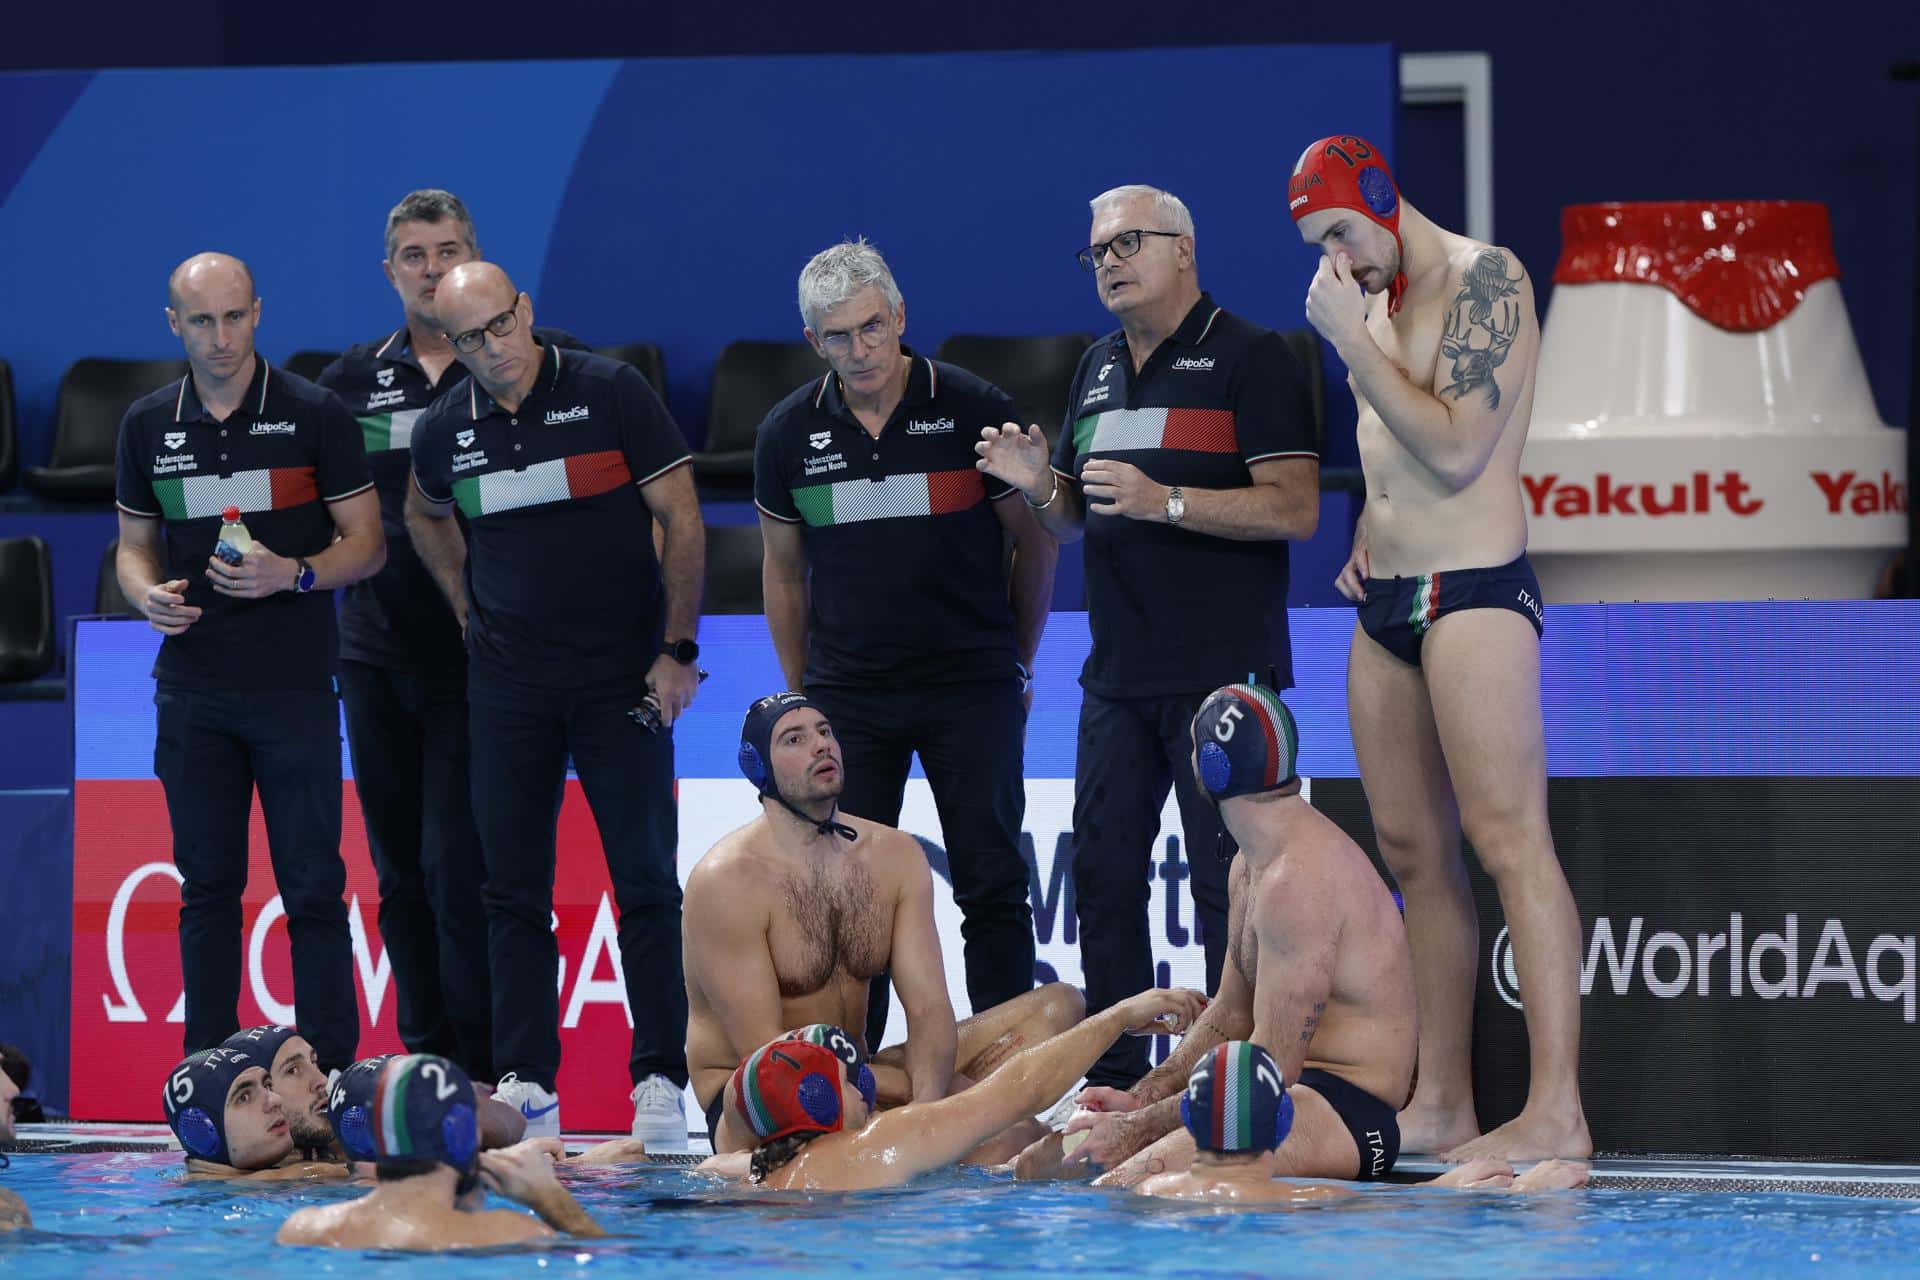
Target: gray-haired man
{"x": 889, "y": 599}
{"x": 1189, "y": 459}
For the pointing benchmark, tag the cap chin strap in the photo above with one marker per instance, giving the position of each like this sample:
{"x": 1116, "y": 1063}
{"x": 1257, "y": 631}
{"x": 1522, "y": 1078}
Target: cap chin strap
{"x": 824, "y": 826}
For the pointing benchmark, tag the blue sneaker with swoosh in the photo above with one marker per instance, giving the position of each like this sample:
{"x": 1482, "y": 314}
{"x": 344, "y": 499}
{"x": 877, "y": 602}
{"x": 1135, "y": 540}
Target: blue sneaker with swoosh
{"x": 539, "y": 1105}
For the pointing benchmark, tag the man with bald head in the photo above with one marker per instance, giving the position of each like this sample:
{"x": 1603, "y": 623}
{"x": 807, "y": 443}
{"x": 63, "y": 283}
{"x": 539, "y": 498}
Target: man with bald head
{"x": 245, "y": 694}
{"x": 580, "y": 642}
{"x": 403, "y": 664}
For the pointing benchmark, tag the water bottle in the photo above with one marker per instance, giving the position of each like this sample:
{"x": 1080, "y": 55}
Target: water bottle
{"x": 234, "y": 541}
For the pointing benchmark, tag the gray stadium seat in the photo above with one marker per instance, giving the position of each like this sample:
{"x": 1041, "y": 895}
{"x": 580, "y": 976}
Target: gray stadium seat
{"x": 94, "y": 395}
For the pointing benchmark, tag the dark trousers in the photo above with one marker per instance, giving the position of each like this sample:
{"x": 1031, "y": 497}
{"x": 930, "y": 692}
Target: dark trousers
{"x": 971, "y": 739}
{"x": 1130, "y": 750}
{"x": 211, "y": 749}
{"x": 409, "y": 740}
{"x": 520, "y": 755}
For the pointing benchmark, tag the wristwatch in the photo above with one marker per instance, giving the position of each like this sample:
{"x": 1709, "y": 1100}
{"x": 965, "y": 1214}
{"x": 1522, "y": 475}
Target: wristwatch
{"x": 682, "y": 651}
{"x": 303, "y": 579}
{"x": 1176, "y": 505}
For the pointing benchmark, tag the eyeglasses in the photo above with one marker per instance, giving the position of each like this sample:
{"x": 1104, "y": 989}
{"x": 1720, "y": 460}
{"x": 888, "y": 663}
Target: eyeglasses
{"x": 1124, "y": 245}
{"x": 871, "y": 334}
{"x": 500, "y": 326}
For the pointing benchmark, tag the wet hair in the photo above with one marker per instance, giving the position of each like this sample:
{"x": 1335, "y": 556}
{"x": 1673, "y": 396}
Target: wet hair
{"x": 430, "y": 204}
{"x": 401, "y": 1170}
{"x": 16, "y": 1066}
{"x": 772, "y": 1155}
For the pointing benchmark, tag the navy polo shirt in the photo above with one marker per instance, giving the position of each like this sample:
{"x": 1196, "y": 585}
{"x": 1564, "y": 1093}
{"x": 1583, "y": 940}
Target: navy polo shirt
{"x": 399, "y": 619}
{"x": 908, "y": 575}
{"x": 1171, "y": 610}
{"x": 563, "y": 584}
{"x": 287, "y": 451}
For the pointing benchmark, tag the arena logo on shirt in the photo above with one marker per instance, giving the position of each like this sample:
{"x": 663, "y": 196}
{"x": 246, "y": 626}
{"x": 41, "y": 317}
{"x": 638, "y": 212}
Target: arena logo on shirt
{"x": 384, "y": 377}
{"x": 174, "y": 439}
{"x": 820, "y": 439}
{"x": 463, "y": 438}
{"x": 575, "y": 414}
{"x": 1771, "y": 966}
{"x": 1193, "y": 362}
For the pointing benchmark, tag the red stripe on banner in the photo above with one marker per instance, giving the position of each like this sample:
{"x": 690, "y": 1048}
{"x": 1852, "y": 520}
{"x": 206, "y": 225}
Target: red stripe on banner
{"x": 954, "y": 491}
{"x": 590, "y": 474}
{"x": 293, "y": 487}
{"x": 1201, "y": 430}
{"x": 126, "y": 963}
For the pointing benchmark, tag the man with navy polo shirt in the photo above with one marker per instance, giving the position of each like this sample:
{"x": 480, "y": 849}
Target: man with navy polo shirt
{"x": 245, "y": 677}
{"x": 1189, "y": 457}
{"x": 403, "y": 667}
{"x": 889, "y": 599}
{"x": 560, "y": 462}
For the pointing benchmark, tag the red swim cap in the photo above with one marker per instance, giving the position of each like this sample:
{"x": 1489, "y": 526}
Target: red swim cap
{"x": 1345, "y": 172}
{"x": 790, "y": 1086}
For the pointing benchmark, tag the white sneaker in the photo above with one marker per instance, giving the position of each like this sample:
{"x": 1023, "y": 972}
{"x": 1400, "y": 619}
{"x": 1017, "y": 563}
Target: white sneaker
{"x": 659, "y": 1115}
{"x": 540, "y": 1106}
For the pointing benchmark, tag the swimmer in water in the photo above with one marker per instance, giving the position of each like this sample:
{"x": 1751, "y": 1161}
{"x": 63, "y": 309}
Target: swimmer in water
{"x": 432, "y": 1175}
{"x": 807, "y": 1104}
{"x": 1238, "y": 1110}
{"x": 13, "y": 1210}
{"x": 222, "y": 1107}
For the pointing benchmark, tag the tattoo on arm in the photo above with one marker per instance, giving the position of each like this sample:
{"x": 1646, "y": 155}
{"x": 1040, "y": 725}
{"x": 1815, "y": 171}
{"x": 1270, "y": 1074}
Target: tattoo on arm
{"x": 1313, "y": 1022}
{"x": 1485, "y": 308}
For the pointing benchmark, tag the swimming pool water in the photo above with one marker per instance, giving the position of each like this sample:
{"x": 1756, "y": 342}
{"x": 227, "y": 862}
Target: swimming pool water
{"x": 130, "y": 1216}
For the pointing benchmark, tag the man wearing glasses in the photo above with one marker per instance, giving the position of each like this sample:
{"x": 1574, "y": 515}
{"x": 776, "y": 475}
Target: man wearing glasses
{"x": 890, "y": 601}
{"x": 1189, "y": 460}
{"x": 559, "y": 462}
{"x": 403, "y": 666}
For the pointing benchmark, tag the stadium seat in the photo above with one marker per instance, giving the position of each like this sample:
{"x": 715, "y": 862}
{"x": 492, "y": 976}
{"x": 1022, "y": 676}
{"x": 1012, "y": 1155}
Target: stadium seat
{"x": 1305, "y": 345}
{"x": 645, "y": 357}
{"x": 9, "y": 437}
{"x": 26, "y": 609}
{"x": 1036, "y": 372}
{"x": 308, "y": 364}
{"x": 749, "y": 378}
{"x": 107, "y": 596}
{"x": 94, "y": 395}
{"x": 733, "y": 569}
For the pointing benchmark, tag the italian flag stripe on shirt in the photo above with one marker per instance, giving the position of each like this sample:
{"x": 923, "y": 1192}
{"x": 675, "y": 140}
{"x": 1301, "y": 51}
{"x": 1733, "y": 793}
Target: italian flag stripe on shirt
{"x": 585, "y": 475}
{"x": 1121, "y": 430}
{"x": 194, "y": 497}
{"x": 930, "y": 493}
{"x": 388, "y": 430}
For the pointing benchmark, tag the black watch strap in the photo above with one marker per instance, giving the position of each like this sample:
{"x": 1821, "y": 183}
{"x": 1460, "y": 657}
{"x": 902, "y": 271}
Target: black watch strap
{"x": 681, "y": 650}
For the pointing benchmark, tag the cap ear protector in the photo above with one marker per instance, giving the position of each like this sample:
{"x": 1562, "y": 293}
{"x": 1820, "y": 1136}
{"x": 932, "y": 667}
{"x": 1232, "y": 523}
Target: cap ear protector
{"x": 350, "y": 1106}
{"x": 752, "y": 766}
{"x": 1236, "y": 1097}
{"x": 790, "y": 1086}
{"x": 1245, "y": 742}
{"x": 859, "y": 1074}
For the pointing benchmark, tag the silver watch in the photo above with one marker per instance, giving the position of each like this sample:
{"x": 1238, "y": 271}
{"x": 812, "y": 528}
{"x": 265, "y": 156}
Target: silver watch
{"x": 1176, "y": 505}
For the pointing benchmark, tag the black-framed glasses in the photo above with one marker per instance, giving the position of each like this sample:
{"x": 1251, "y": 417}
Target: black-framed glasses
{"x": 500, "y": 326}
{"x": 1124, "y": 245}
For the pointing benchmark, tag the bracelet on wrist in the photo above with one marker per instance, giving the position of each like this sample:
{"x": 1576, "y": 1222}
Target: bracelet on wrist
{"x": 1051, "y": 493}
